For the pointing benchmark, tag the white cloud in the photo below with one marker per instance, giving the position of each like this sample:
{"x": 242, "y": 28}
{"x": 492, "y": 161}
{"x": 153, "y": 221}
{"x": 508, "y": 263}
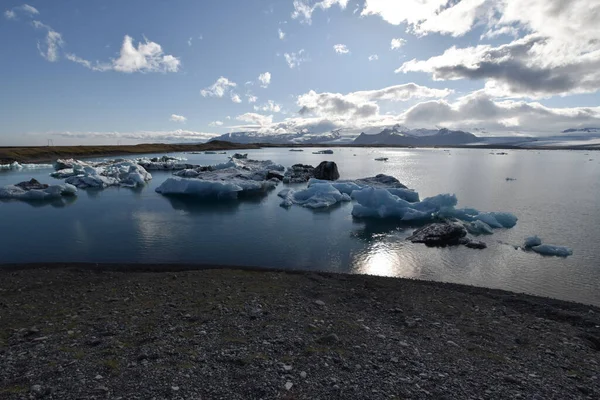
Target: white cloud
{"x": 177, "y": 118}
{"x": 251, "y": 98}
{"x": 341, "y": 49}
{"x": 138, "y": 136}
{"x": 397, "y": 43}
{"x": 265, "y": 79}
{"x": 219, "y": 88}
{"x": 373, "y": 57}
{"x": 295, "y": 59}
{"x": 189, "y": 42}
{"x": 29, "y": 9}
{"x": 281, "y": 34}
{"x": 146, "y": 57}
{"x": 235, "y": 98}
{"x": 10, "y": 14}
{"x": 269, "y": 106}
{"x": 361, "y": 104}
{"x": 216, "y": 123}
{"x": 303, "y": 10}
{"x": 49, "y": 49}
{"x": 257, "y": 119}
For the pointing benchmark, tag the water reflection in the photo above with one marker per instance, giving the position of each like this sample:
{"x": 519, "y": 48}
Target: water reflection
{"x": 199, "y": 206}
{"x": 374, "y": 229}
{"x": 55, "y": 203}
{"x": 386, "y": 259}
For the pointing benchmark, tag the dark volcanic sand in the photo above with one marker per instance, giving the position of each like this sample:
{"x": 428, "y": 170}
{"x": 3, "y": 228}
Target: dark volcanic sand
{"x": 80, "y": 332}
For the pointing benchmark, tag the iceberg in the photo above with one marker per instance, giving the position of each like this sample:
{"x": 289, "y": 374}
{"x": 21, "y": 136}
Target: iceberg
{"x": 396, "y": 188}
{"x": 164, "y": 163}
{"x": 551, "y": 250}
{"x": 317, "y": 195}
{"x": 18, "y": 166}
{"x": 498, "y": 219}
{"x": 478, "y": 228}
{"x": 224, "y": 181}
{"x": 532, "y": 241}
{"x": 45, "y": 192}
{"x": 124, "y": 173}
{"x": 216, "y": 189}
{"x": 323, "y": 152}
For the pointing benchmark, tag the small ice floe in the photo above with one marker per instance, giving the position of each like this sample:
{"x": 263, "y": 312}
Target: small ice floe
{"x": 296, "y": 150}
{"x": 35, "y": 191}
{"x": 318, "y": 195}
{"x": 381, "y": 159}
{"x": 15, "y": 166}
{"x": 210, "y": 152}
{"x": 511, "y": 179}
{"x": 323, "y": 152}
{"x": 534, "y": 243}
{"x": 164, "y": 163}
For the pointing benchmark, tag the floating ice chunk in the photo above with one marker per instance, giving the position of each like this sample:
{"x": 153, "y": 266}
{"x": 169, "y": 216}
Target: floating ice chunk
{"x": 464, "y": 214}
{"x": 532, "y": 241}
{"x": 479, "y": 228}
{"x": 550, "y": 250}
{"x": 348, "y": 186}
{"x": 318, "y": 195}
{"x": 125, "y": 173}
{"x": 381, "y": 181}
{"x": 323, "y": 152}
{"x": 17, "y": 166}
{"x": 405, "y": 194}
{"x": 498, "y": 219}
{"x": 49, "y": 193}
{"x": 216, "y": 189}
{"x": 380, "y": 203}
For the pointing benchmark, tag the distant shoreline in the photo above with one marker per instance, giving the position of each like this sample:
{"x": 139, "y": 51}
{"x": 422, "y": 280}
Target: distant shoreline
{"x": 40, "y": 154}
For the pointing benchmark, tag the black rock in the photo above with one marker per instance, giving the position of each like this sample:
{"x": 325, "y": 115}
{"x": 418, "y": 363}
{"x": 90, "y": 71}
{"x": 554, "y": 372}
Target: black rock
{"x": 328, "y": 171}
{"x": 33, "y": 184}
{"x": 474, "y": 244}
{"x": 439, "y": 234}
{"x": 274, "y": 174}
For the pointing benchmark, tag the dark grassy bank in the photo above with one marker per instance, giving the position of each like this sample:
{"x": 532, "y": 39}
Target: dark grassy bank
{"x": 51, "y": 153}
{"x": 113, "y": 331}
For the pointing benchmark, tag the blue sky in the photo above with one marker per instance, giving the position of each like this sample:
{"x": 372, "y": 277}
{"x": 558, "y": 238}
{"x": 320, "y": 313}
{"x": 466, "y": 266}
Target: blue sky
{"x": 490, "y": 65}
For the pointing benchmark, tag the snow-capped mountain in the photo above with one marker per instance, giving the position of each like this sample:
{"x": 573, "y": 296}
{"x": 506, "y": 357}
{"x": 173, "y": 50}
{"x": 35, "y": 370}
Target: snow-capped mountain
{"x": 399, "y": 135}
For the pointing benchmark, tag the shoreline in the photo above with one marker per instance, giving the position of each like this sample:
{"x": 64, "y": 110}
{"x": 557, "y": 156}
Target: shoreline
{"x": 88, "y": 331}
{"x": 42, "y": 154}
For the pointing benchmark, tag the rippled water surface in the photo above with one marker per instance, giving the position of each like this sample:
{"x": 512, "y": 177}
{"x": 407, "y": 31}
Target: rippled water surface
{"x": 556, "y": 195}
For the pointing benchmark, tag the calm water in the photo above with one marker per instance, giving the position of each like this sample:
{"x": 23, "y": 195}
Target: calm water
{"x": 555, "y": 195}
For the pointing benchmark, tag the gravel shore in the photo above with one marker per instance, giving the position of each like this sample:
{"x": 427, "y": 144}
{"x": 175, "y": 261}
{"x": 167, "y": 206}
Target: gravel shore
{"x": 77, "y": 332}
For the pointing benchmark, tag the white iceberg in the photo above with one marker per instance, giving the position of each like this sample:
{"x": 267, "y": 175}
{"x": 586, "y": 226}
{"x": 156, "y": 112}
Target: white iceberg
{"x": 241, "y": 168}
{"x": 380, "y": 181}
{"x": 164, "y": 163}
{"x": 49, "y": 193}
{"x": 551, "y": 250}
{"x": 124, "y": 173}
{"x": 317, "y": 195}
{"x": 18, "y": 166}
{"x": 217, "y": 189}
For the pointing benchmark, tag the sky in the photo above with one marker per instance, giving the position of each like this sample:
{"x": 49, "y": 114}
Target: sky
{"x": 112, "y": 71}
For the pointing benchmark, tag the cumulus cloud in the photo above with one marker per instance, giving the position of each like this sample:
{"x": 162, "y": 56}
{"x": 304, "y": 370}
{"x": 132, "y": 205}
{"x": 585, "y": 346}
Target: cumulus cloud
{"x": 303, "y": 9}
{"x": 556, "y": 50}
{"x": 341, "y": 49}
{"x": 178, "y": 135}
{"x": 397, "y": 43}
{"x": 362, "y": 104}
{"x": 146, "y": 57}
{"x": 281, "y": 34}
{"x": 235, "y": 98}
{"x": 216, "y": 123}
{"x": 53, "y": 42}
{"x": 177, "y": 118}
{"x": 219, "y": 88}
{"x": 264, "y": 79}
{"x": 478, "y": 109}
{"x": 373, "y": 57}
{"x": 256, "y": 119}
{"x": 269, "y": 106}
{"x": 25, "y": 9}
{"x": 295, "y": 59}
{"x": 251, "y": 98}
{"x": 10, "y": 14}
